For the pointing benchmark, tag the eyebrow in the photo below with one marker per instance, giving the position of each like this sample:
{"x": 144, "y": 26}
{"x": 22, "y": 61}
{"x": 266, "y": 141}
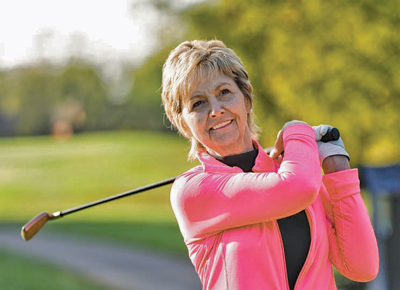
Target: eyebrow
{"x": 222, "y": 84}
{"x": 199, "y": 94}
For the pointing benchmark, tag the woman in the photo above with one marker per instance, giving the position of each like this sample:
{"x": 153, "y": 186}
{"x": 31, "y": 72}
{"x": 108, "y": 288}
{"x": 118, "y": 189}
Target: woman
{"x": 251, "y": 220}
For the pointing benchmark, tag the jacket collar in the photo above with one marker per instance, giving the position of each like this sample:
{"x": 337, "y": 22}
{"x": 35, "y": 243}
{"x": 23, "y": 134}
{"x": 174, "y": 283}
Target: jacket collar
{"x": 263, "y": 162}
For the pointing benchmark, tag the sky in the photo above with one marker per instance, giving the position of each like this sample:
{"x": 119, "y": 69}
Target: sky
{"x": 55, "y": 28}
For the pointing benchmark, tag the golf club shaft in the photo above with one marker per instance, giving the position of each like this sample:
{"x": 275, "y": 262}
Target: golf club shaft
{"x": 30, "y": 229}
{"x": 118, "y": 196}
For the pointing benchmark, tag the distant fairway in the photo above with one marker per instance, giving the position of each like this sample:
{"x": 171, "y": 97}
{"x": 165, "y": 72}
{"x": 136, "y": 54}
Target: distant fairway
{"x": 41, "y": 174}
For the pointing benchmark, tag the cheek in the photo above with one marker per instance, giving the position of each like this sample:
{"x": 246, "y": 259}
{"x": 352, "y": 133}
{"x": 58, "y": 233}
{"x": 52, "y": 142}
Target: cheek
{"x": 191, "y": 123}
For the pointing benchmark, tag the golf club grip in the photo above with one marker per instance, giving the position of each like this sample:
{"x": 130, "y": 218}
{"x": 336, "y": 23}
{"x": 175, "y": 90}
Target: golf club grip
{"x": 332, "y": 134}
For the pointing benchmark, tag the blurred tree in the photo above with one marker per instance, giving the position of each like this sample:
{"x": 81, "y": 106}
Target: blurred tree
{"x": 144, "y": 96}
{"x": 42, "y": 95}
{"x": 79, "y": 86}
{"x": 27, "y": 96}
{"x": 7, "y": 112}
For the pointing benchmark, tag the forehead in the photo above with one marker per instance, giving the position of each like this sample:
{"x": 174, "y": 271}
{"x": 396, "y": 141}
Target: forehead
{"x": 200, "y": 81}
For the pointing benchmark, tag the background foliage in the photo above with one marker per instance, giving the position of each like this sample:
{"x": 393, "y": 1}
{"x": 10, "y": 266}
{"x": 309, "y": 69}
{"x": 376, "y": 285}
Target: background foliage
{"x": 333, "y": 62}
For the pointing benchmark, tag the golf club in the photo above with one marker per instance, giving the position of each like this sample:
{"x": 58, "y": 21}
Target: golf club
{"x": 30, "y": 229}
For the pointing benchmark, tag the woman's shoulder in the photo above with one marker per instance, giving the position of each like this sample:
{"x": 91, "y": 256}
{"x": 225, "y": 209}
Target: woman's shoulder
{"x": 191, "y": 172}
{"x": 184, "y": 178}
{"x": 187, "y": 184}
{"x": 198, "y": 179}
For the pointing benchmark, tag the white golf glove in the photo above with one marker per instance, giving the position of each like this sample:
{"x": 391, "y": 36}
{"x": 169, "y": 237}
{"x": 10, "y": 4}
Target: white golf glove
{"x": 330, "y": 148}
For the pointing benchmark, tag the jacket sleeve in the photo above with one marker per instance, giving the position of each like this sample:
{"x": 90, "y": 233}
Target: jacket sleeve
{"x": 352, "y": 242}
{"x": 205, "y": 203}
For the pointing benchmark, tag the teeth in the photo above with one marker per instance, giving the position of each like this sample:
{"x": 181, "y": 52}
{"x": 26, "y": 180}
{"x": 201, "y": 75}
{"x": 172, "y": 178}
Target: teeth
{"x": 221, "y": 125}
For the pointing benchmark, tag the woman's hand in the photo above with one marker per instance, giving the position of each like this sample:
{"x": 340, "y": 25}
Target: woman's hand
{"x": 278, "y": 148}
{"x": 332, "y": 154}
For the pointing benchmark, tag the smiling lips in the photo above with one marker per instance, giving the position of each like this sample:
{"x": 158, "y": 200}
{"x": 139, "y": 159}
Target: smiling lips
{"x": 221, "y": 125}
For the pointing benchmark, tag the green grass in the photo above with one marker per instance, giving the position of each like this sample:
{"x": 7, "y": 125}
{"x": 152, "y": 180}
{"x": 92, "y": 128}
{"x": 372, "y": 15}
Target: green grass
{"x": 42, "y": 174}
{"x": 21, "y": 273}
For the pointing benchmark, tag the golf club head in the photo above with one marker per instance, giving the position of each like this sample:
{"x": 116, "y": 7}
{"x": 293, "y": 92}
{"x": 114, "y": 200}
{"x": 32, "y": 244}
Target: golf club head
{"x": 30, "y": 229}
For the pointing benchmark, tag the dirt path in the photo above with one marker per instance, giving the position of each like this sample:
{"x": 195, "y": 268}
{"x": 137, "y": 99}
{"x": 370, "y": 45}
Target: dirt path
{"x": 114, "y": 266}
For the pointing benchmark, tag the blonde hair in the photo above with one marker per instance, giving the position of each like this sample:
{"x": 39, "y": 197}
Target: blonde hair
{"x": 200, "y": 59}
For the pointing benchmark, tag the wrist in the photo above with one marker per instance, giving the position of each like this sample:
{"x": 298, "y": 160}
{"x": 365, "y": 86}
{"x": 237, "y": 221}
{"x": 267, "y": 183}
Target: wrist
{"x": 335, "y": 163}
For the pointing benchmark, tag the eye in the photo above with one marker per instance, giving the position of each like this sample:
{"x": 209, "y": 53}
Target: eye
{"x": 198, "y": 103}
{"x": 224, "y": 92}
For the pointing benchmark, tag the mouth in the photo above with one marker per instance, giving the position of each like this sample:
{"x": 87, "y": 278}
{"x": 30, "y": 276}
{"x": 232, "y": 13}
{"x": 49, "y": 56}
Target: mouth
{"x": 221, "y": 125}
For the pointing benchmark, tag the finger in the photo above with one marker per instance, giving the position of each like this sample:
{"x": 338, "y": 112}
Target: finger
{"x": 274, "y": 154}
{"x": 324, "y": 129}
{"x": 294, "y": 122}
{"x": 278, "y": 148}
{"x": 268, "y": 150}
{"x": 320, "y": 131}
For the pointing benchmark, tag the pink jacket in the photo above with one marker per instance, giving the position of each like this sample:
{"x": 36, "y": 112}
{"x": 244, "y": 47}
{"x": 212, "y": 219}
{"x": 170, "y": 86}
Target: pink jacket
{"x": 228, "y": 219}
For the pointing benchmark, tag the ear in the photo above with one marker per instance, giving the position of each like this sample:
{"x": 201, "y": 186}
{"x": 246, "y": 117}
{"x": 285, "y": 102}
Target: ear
{"x": 248, "y": 104}
{"x": 249, "y": 108}
{"x": 184, "y": 129}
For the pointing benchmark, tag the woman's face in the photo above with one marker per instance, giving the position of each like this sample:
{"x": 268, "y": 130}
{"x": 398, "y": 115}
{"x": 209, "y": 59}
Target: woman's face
{"x": 216, "y": 113}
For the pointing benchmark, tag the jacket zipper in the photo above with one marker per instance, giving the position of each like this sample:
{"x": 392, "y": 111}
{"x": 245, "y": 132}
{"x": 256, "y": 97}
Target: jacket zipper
{"x": 306, "y": 266}
{"x": 283, "y": 254}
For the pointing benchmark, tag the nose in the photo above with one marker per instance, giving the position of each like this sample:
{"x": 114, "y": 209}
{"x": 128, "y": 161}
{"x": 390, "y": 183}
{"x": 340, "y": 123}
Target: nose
{"x": 216, "y": 108}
